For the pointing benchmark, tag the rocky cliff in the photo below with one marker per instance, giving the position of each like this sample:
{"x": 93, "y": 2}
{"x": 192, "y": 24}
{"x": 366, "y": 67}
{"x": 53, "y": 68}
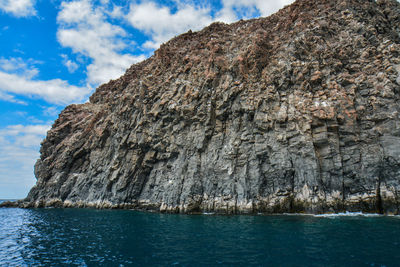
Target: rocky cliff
{"x": 297, "y": 112}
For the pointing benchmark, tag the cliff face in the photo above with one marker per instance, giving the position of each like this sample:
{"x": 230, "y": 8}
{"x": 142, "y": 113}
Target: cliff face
{"x": 295, "y": 112}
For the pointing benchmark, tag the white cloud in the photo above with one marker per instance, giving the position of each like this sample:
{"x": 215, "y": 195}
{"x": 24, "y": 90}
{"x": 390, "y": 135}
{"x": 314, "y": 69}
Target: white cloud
{"x": 18, "y": 8}
{"x": 85, "y": 29}
{"x": 18, "y": 77}
{"x": 51, "y": 111}
{"x": 267, "y": 8}
{"x": 19, "y": 146}
{"x": 53, "y": 91}
{"x": 12, "y": 64}
{"x": 71, "y": 66}
{"x": 235, "y": 9}
{"x": 161, "y": 24}
{"x": 116, "y": 12}
{"x": 19, "y": 129}
{"x": 19, "y": 66}
{"x": 10, "y": 98}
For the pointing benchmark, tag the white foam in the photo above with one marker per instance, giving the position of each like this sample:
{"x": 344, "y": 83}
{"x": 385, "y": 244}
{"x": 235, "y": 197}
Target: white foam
{"x": 347, "y": 214}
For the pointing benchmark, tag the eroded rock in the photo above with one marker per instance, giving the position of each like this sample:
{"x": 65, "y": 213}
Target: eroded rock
{"x": 297, "y": 112}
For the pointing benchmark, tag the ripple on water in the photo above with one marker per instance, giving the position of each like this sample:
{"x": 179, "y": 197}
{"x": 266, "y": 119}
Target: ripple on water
{"x": 54, "y": 237}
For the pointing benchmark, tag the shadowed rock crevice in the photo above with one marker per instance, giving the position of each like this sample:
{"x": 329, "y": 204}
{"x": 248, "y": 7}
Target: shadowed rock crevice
{"x": 297, "y": 112}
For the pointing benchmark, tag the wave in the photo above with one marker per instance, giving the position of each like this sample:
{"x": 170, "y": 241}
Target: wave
{"x": 342, "y": 214}
{"x": 347, "y": 214}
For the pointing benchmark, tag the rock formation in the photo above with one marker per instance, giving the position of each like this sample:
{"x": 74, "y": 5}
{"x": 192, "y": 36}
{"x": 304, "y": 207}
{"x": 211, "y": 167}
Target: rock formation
{"x": 297, "y": 112}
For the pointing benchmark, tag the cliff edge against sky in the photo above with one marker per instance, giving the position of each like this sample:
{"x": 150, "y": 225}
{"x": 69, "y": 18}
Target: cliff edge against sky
{"x": 297, "y": 112}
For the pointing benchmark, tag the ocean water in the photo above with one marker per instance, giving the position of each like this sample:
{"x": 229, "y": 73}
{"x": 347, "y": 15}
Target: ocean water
{"x": 85, "y": 237}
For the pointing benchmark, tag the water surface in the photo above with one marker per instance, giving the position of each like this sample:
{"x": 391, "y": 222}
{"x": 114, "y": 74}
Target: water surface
{"x": 84, "y": 237}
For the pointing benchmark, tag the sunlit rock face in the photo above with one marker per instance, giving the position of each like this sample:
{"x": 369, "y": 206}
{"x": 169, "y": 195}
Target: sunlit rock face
{"x": 297, "y": 112}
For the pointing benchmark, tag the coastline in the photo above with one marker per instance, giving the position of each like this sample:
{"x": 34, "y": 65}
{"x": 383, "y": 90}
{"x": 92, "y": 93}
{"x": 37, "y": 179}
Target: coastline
{"x": 286, "y": 207}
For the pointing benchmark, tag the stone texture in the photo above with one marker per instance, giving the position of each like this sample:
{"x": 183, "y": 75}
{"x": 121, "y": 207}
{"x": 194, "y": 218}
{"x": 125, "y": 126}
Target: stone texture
{"x": 297, "y": 112}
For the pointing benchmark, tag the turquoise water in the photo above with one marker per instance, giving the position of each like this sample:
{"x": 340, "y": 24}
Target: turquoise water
{"x": 83, "y": 237}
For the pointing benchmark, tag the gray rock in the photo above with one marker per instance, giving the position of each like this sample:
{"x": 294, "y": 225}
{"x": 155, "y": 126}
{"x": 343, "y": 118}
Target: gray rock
{"x": 297, "y": 112}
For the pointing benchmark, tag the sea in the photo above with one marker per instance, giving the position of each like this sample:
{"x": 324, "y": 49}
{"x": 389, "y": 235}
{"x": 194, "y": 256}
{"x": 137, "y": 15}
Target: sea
{"x": 89, "y": 237}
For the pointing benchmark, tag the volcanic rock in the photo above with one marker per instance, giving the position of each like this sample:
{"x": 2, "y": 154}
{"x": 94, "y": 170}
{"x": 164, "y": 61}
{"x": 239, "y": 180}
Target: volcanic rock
{"x": 296, "y": 112}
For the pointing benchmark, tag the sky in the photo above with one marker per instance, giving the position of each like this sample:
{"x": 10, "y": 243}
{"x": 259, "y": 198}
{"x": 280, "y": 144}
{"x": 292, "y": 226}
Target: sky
{"x": 54, "y": 53}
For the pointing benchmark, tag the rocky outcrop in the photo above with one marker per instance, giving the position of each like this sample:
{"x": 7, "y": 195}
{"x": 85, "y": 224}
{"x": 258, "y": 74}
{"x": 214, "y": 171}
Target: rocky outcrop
{"x": 297, "y": 112}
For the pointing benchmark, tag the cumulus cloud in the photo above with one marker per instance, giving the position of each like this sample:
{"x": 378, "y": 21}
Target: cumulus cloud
{"x": 85, "y": 29}
{"x": 235, "y": 9}
{"x": 19, "y": 66}
{"x": 18, "y": 77}
{"x": 18, "y": 8}
{"x": 25, "y": 135}
{"x": 71, "y": 66}
{"x": 55, "y": 91}
{"x": 267, "y": 8}
{"x": 19, "y": 146}
{"x": 161, "y": 24}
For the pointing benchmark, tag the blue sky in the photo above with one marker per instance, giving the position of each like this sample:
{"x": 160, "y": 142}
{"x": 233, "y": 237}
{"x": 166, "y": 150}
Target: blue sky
{"x": 54, "y": 53}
